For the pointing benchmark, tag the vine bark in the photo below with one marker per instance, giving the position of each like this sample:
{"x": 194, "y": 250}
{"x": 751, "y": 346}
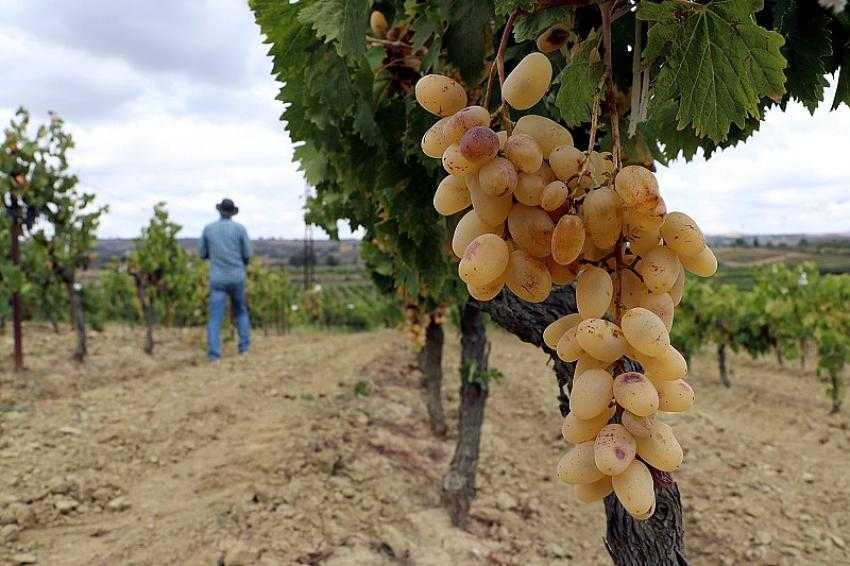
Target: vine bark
{"x": 431, "y": 363}
{"x": 459, "y": 481}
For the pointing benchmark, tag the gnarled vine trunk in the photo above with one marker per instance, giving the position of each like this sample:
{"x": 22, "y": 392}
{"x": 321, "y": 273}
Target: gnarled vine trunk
{"x": 17, "y": 307}
{"x": 721, "y": 365}
{"x": 459, "y": 481}
{"x": 836, "y": 390}
{"x": 431, "y": 363}
{"x": 148, "y": 314}
{"x": 78, "y": 318}
{"x": 659, "y": 540}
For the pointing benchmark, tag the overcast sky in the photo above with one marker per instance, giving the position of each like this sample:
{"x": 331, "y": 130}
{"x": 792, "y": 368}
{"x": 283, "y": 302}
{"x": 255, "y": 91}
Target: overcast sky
{"x": 173, "y": 101}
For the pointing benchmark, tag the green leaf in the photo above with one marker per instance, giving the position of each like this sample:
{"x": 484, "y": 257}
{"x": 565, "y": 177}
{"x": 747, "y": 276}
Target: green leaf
{"x": 343, "y": 22}
{"x": 505, "y": 7}
{"x": 808, "y": 49}
{"x": 467, "y": 35}
{"x": 580, "y": 81}
{"x": 531, "y": 25}
{"x": 716, "y": 63}
{"x": 842, "y": 90}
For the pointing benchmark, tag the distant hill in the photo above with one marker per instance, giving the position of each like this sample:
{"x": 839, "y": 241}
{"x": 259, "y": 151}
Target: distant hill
{"x": 274, "y": 251}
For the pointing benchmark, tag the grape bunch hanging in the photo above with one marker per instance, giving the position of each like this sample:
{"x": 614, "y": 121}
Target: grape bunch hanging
{"x": 545, "y": 213}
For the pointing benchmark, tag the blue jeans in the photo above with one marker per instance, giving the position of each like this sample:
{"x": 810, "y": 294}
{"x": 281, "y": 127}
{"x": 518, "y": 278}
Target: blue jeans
{"x": 219, "y": 294}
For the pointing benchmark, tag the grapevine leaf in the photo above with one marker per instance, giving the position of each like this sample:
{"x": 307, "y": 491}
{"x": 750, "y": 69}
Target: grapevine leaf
{"x": 343, "y": 22}
{"x": 716, "y": 63}
{"x": 808, "y": 48}
{"x": 466, "y": 36}
{"x": 842, "y": 90}
{"x": 505, "y": 7}
{"x": 531, "y": 25}
{"x": 580, "y": 81}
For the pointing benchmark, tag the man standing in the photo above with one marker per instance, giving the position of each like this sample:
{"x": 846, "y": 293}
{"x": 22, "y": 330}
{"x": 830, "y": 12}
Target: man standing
{"x": 226, "y": 245}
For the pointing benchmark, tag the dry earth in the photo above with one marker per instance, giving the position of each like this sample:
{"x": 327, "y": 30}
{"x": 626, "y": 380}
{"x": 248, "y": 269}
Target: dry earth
{"x": 275, "y": 460}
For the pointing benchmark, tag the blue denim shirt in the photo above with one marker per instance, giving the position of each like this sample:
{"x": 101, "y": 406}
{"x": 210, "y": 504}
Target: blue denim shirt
{"x": 225, "y": 243}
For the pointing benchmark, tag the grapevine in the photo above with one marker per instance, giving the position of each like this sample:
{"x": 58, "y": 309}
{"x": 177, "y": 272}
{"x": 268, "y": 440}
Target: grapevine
{"x": 538, "y": 212}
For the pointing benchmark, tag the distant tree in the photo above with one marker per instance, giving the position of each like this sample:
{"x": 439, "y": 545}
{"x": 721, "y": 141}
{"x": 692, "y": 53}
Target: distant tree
{"x": 756, "y": 242}
{"x": 740, "y": 242}
{"x": 332, "y": 260}
{"x": 803, "y": 243}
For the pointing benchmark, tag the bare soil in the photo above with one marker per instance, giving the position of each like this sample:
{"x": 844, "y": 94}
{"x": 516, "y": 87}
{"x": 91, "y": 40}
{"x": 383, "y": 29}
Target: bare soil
{"x": 274, "y": 459}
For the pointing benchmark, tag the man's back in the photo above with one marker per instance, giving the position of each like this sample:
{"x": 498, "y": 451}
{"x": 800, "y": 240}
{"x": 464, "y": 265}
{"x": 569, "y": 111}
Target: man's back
{"x": 225, "y": 243}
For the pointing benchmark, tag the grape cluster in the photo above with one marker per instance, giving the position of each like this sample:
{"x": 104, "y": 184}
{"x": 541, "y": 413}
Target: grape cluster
{"x": 545, "y": 213}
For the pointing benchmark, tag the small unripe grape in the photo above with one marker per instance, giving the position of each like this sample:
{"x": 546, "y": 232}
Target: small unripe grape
{"x": 452, "y": 196}
{"x": 553, "y": 38}
{"x": 567, "y": 348}
{"x": 675, "y": 396}
{"x": 601, "y": 167}
{"x": 485, "y": 258}
{"x": 440, "y": 95}
{"x": 601, "y": 339}
{"x": 660, "y": 449}
{"x": 469, "y": 228}
{"x": 704, "y": 264}
{"x": 529, "y": 189}
{"x": 578, "y": 465}
{"x": 528, "y": 82}
{"x": 378, "y": 23}
{"x": 548, "y": 133}
{"x": 661, "y": 304}
{"x": 498, "y": 177}
{"x": 464, "y": 120}
{"x": 528, "y": 277}
{"x": 591, "y": 393}
{"x": 594, "y": 290}
{"x": 568, "y": 239}
{"x": 493, "y": 210}
{"x": 553, "y": 332}
{"x": 576, "y": 430}
{"x": 590, "y": 492}
{"x": 645, "y": 331}
{"x": 561, "y": 274}
{"x": 566, "y": 161}
{"x": 435, "y": 142}
{"x": 682, "y": 235}
{"x": 635, "y": 393}
{"x": 659, "y": 269}
{"x": 531, "y": 229}
{"x": 635, "y": 490}
{"x": 503, "y": 139}
{"x": 637, "y": 187}
{"x": 524, "y": 152}
{"x": 670, "y": 365}
{"x": 602, "y": 217}
{"x": 479, "y": 144}
{"x": 456, "y": 164}
{"x": 639, "y": 427}
{"x": 554, "y": 196}
{"x": 545, "y": 172}
{"x": 614, "y": 449}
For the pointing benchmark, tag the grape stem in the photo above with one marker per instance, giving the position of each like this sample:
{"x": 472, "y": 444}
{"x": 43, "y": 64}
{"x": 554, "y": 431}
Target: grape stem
{"x": 606, "y": 10}
{"x": 379, "y": 41}
{"x": 499, "y": 65}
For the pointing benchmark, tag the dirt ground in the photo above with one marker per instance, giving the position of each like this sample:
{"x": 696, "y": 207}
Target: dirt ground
{"x": 274, "y": 459}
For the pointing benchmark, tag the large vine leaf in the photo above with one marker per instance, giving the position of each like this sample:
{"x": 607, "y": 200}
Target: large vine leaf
{"x": 343, "y": 22}
{"x": 808, "y": 48}
{"x": 467, "y": 35}
{"x": 715, "y": 61}
{"x": 529, "y": 26}
{"x": 580, "y": 81}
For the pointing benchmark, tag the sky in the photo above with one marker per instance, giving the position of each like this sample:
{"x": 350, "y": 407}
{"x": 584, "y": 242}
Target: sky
{"x": 173, "y": 101}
